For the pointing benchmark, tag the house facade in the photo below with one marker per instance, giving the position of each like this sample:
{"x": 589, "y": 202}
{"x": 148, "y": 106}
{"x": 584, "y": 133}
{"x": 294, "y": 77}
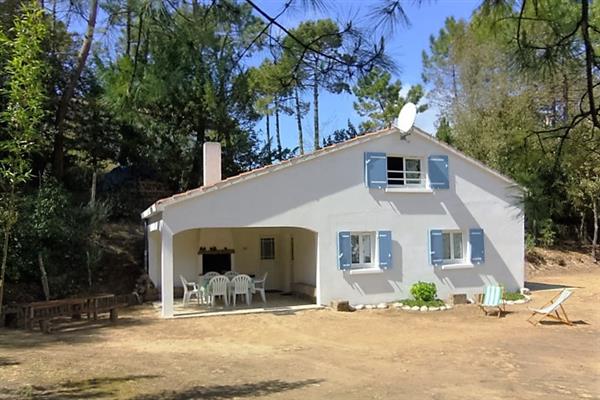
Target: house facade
{"x": 361, "y": 221}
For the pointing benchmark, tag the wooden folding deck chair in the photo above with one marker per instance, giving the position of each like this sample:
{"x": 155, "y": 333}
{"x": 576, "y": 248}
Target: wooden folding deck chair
{"x": 550, "y": 310}
{"x": 492, "y": 298}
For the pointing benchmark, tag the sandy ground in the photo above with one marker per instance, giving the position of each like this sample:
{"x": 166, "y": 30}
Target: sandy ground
{"x": 374, "y": 354}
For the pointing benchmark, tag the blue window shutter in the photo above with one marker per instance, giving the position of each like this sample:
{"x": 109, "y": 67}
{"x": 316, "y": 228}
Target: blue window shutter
{"x": 438, "y": 172}
{"x": 436, "y": 247}
{"x": 476, "y": 239}
{"x": 376, "y": 170}
{"x": 384, "y": 238}
{"x": 344, "y": 251}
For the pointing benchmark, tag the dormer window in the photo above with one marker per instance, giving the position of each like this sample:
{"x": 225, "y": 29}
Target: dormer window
{"x": 404, "y": 172}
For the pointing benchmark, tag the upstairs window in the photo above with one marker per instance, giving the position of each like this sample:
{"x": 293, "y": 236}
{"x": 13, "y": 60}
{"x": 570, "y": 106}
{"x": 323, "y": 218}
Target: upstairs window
{"x": 404, "y": 171}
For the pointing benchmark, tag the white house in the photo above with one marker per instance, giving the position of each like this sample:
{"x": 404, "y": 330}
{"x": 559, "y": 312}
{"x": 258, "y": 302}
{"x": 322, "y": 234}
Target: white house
{"x": 361, "y": 221}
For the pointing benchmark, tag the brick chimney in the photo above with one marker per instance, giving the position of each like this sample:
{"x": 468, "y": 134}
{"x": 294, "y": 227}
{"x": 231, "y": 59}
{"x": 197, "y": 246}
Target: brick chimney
{"x": 211, "y": 166}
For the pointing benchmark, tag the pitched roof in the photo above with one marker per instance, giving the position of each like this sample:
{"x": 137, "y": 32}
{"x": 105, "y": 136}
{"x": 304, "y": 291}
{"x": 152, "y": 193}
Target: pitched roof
{"x": 160, "y": 204}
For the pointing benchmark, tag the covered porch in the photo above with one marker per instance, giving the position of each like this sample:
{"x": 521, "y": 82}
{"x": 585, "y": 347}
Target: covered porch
{"x": 277, "y": 302}
{"x": 286, "y": 255}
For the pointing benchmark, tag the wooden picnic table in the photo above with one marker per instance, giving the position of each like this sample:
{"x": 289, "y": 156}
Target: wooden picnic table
{"x": 43, "y": 312}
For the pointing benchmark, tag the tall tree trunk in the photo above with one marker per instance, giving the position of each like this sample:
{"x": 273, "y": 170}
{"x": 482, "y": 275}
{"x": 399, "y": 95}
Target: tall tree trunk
{"x": 565, "y": 93}
{"x": 454, "y": 86}
{"x": 316, "y": 112}
{"x": 53, "y": 20}
{"x": 299, "y": 121}
{"x": 128, "y": 29}
{"x": 3, "y": 272}
{"x": 595, "y": 237}
{"x": 93, "y": 189}
{"x": 582, "y": 228}
{"x": 45, "y": 285}
{"x": 590, "y": 60}
{"x": 89, "y": 268}
{"x": 137, "y": 50}
{"x": 7, "y": 230}
{"x": 269, "y": 156}
{"x": 278, "y": 132}
{"x": 195, "y": 178}
{"x": 59, "y": 139}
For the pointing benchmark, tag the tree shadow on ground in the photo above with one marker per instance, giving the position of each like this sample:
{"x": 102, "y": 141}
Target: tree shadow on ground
{"x": 540, "y": 286}
{"x": 96, "y": 388}
{"x": 83, "y": 331}
{"x": 4, "y": 362}
{"x": 223, "y": 392}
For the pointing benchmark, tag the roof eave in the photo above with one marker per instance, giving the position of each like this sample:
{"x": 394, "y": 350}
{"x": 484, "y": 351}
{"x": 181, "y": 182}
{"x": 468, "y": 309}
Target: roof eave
{"x": 152, "y": 210}
{"x": 469, "y": 159}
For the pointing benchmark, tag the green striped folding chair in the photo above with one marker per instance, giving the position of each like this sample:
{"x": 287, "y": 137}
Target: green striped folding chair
{"x": 492, "y": 300}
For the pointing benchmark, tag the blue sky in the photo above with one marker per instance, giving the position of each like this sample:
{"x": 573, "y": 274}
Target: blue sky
{"x": 405, "y": 46}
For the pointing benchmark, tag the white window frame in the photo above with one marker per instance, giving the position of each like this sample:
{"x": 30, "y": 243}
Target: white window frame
{"x": 262, "y": 256}
{"x": 423, "y": 181}
{"x": 373, "y": 240}
{"x": 453, "y": 259}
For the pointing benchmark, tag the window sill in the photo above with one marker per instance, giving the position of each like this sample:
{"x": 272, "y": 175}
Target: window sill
{"x": 457, "y": 266}
{"x": 365, "y": 271}
{"x": 407, "y": 190}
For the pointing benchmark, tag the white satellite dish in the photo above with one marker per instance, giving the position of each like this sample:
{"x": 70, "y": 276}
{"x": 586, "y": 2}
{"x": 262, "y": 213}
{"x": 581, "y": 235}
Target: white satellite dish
{"x": 406, "y": 118}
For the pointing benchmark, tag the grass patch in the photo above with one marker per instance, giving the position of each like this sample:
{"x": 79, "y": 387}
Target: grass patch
{"x": 513, "y": 296}
{"x": 420, "y": 303}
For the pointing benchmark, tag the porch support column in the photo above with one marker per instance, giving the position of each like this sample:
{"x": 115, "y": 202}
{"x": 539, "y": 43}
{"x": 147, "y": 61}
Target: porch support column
{"x": 318, "y": 285}
{"x": 154, "y": 258}
{"x": 166, "y": 271}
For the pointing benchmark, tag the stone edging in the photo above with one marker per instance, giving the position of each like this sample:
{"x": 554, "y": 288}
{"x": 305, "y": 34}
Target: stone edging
{"x": 400, "y": 306}
{"x": 527, "y": 299}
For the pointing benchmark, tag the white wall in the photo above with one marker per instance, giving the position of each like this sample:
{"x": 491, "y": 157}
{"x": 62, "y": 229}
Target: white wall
{"x": 327, "y": 195}
{"x": 247, "y": 255}
{"x": 305, "y": 254}
{"x": 185, "y": 259}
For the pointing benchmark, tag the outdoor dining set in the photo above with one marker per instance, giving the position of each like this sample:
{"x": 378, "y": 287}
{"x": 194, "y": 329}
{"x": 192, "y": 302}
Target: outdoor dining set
{"x": 228, "y": 286}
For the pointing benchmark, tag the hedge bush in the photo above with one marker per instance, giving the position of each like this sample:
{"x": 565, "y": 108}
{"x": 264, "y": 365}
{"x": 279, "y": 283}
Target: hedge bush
{"x": 424, "y": 291}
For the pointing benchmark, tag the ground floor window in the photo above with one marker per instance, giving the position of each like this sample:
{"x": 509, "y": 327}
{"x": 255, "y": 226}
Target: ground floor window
{"x": 267, "y": 248}
{"x": 453, "y": 246}
{"x": 362, "y": 249}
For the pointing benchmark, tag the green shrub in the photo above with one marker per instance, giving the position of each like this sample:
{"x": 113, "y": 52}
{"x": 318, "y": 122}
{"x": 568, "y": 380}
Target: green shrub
{"x": 513, "y": 296}
{"x": 529, "y": 242}
{"x": 424, "y": 291}
{"x": 547, "y": 235}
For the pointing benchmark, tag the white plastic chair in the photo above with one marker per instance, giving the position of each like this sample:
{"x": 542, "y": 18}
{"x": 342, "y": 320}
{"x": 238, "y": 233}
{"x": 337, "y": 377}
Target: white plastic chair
{"x": 231, "y": 274}
{"x": 217, "y": 286}
{"x": 240, "y": 285}
{"x": 189, "y": 289}
{"x": 259, "y": 286}
{"x": 210, "y": 275}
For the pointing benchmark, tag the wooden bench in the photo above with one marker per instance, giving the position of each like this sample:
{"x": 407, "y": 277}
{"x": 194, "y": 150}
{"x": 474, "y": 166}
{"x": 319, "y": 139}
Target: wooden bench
{"x": 43, "y": 312}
